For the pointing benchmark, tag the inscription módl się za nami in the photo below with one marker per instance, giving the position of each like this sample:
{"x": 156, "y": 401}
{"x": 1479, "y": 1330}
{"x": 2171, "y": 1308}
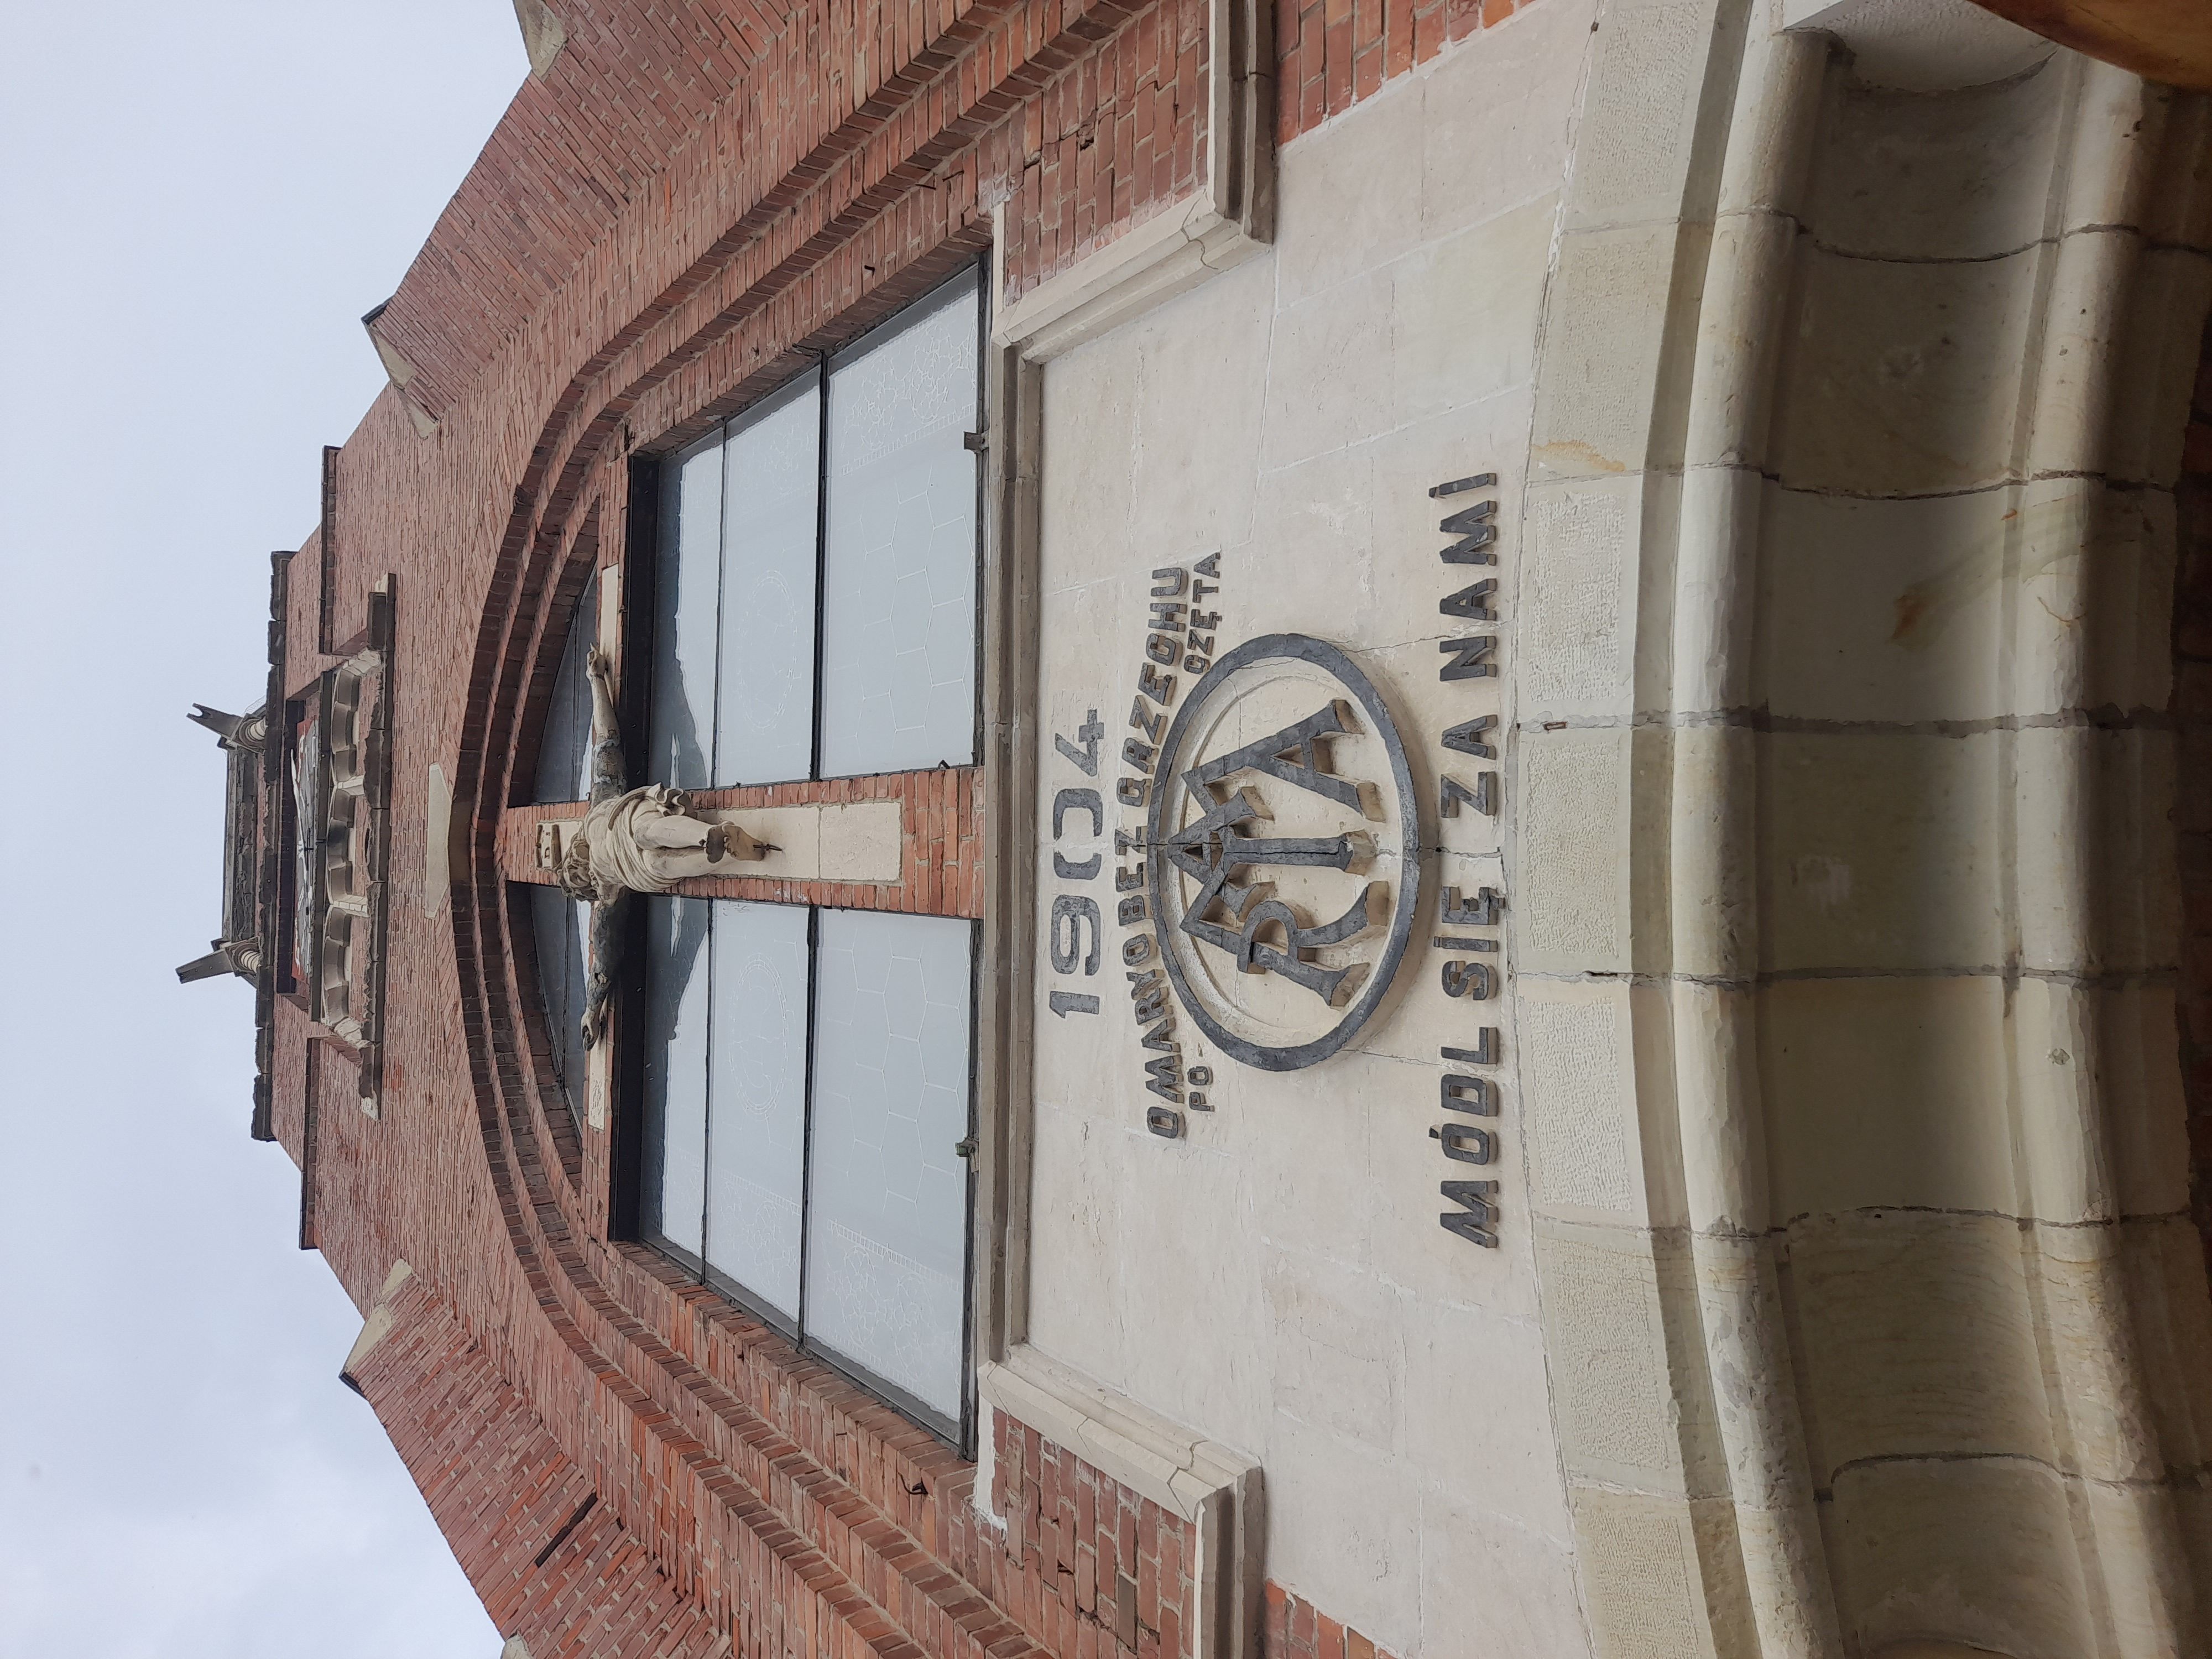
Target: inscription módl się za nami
{"x": 1275, "y": 884}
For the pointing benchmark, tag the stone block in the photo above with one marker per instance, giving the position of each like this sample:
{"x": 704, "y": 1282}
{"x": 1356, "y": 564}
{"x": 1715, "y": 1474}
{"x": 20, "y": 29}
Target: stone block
{"x": 2097, "y": 875}
{"x": 1605, "y": 324}
{"x": 1961, "y": 1376}
{"x": 2163, "y": 1259}
{"x": 1981, "y": 1550}
{"x": 1464, "y": 310}
{"x": 1904, "y": 377}
{"x": 1572, "y": 794}
{"x": 2145, "y": 1107}
{"x": 1638, "y": 1554}
{"x": 1575, "y": 599}
{"x": 1881, "y": 851}
{"x": 1577, "y": 1043}
{"x": 1886, "y": 1091}
{"x": 1884, "y": 610}
{"x": 1964, "y": 176}
{"x": 1628, "y": 1393}
{"x": 1636, "y": 144}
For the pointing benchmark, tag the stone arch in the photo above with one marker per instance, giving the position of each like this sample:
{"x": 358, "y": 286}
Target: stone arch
{"x": 1889, "y": 1295}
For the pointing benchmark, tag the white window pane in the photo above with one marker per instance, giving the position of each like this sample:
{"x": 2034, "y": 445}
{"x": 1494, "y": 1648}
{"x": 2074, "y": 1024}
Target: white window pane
{"x": 564, "y": 751}
{"x": 757, "y": 1120}
{"x": 898, "y": 634}
{"x": 559, "y": 923}
{"x": 764, "y": 729}
{"x": 684, "y": 602}
{"x": 887, "y": 1228}
{"x": 677, "y": 984}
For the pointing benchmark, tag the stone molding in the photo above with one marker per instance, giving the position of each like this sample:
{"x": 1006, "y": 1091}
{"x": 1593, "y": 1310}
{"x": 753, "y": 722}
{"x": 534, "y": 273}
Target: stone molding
{"x": 377, "y": 1326}
{"x": 1217, "y": 1489}
{"x": 1703, "y": 411}
{"x": 1168, "y": 255}
{"x": 1229, "y": 220}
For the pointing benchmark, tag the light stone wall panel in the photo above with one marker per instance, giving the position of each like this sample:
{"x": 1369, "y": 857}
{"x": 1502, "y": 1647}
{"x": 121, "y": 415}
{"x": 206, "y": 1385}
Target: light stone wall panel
{"x": 1279, "y": 1280}
{"x": 1493, "y": 122}
{"x": 1192, "y": 486}
{"x": 2134, "y": 1026}
{"x": 1463, "y": 312}
{"x": 1817, "y": 701}
{"x": 1535, "y": 1610}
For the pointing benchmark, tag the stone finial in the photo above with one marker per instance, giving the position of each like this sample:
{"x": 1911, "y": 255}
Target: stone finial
{"x": 236, "y": 731}
{"x": 241, "y": 957}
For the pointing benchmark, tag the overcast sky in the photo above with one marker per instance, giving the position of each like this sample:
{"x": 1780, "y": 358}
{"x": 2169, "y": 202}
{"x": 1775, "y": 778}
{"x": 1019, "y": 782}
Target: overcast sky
{"x": 199, "y": 202}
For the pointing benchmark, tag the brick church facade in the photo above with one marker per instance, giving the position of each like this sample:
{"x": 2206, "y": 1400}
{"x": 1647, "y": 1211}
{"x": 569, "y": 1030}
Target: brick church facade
{"x": 1735, "y": 1025}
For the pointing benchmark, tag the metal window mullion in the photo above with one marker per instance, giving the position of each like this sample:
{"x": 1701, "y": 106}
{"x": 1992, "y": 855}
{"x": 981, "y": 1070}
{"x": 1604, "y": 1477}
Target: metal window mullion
{"x": 821, "y": 560}
{"x": 807, "y": 1119}
{"x": 966, "y": 1441}
{"x": 707, "y": 1105}
{"x": 722, "y": 454}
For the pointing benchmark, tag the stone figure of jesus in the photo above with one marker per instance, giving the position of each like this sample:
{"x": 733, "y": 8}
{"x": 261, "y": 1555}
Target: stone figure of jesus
{"x": 633, "y": 841}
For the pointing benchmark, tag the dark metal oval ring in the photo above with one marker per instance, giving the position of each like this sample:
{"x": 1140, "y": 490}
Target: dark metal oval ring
{"x": 1319, "y": 654}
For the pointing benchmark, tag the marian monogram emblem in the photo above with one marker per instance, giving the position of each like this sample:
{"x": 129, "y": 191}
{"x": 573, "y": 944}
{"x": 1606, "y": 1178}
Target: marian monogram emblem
{"x": 1284, "y": 852}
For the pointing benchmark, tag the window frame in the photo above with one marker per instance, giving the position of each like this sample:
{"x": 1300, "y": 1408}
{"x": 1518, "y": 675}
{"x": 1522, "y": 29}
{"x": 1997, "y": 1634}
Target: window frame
{"x": 644, "y": 555}
{"x": 958, "y": 1430}
{"x": 652, "y": 481}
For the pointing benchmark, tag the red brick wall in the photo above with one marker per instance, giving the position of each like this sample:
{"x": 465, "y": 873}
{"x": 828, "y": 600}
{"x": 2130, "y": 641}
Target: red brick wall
{"x": 1114, "y": 1573}
{"x": 696, "y": 198}
{"x": 551, "y": 1563}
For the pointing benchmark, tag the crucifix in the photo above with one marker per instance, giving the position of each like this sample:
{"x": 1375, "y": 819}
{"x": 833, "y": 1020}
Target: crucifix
{"x": 633, "y": 841}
